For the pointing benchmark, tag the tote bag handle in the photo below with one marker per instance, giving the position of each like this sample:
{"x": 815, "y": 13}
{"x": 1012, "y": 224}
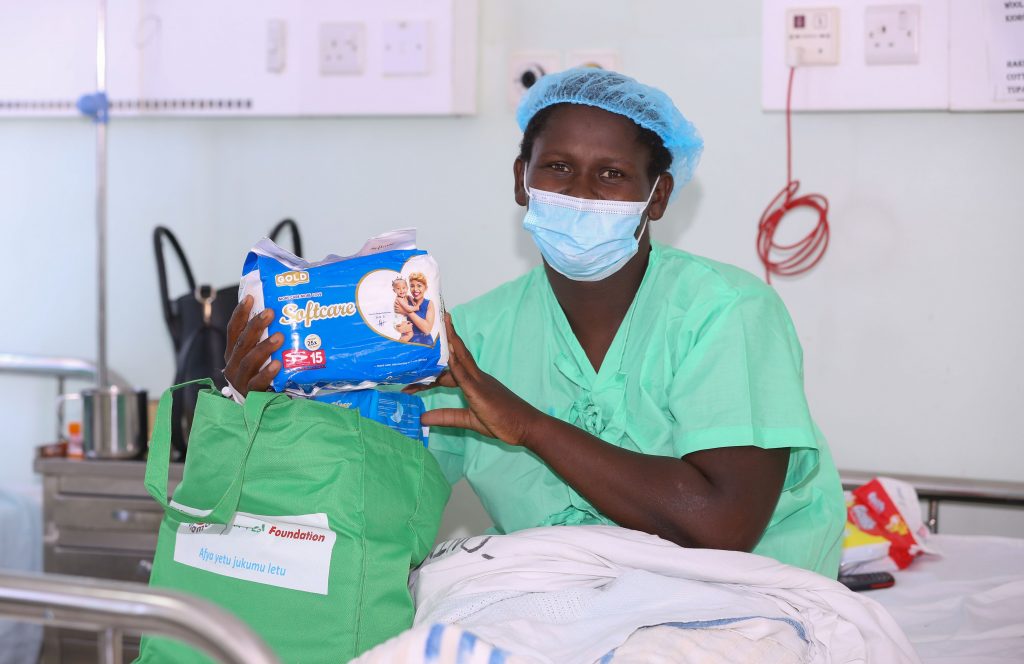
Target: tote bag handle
{"x": 158, "y": 463}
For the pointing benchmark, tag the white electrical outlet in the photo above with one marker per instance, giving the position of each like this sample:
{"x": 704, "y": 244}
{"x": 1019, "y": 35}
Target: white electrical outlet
{"x": 812, "y": 36}
{"x": 405, "y": 48}
{"x": 891, "y": 34}
{"x": 525, "y": 69}
{"x": 600, "y": 59}
{"x": 342, "y": 48}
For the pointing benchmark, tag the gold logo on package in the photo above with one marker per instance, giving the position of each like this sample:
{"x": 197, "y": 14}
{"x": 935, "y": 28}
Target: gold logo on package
{"x": 291, "y": 278}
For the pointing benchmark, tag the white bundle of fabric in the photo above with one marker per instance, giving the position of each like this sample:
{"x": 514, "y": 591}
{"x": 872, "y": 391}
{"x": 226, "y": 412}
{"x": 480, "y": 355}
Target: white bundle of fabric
{"x": 586, "y": 594}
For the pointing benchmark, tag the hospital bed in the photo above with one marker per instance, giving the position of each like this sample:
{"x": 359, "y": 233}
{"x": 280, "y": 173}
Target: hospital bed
{"x": 965, "y": 606}
{"x": 113, "y": 608}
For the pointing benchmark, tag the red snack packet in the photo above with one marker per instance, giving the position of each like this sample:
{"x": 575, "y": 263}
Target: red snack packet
{"x": 874, "y": 512}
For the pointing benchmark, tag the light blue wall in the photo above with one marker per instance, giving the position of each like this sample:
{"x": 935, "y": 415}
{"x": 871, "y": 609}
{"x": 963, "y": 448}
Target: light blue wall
{"x": 911, "y": 326}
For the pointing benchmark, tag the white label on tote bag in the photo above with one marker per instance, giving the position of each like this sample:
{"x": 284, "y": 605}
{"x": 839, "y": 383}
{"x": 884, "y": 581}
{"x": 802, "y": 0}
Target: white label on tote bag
{"x": 286, "y": 551}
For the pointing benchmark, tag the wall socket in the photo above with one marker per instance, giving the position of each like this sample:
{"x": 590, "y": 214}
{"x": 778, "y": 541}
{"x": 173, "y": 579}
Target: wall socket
{"x": 526, "y": 68}
{"x": 342, "y": 48}
{"x": 812, "y": 36}
{"x": 891, "y": 34}
{"x": 405, "y": 48}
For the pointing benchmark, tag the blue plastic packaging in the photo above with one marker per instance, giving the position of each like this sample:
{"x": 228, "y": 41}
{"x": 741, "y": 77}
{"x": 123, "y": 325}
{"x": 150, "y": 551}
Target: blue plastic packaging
{"x": 397, "y": 410}
{"x": 351, "y": 322}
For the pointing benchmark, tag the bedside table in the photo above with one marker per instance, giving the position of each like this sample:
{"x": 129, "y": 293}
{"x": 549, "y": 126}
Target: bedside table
{"x": 98, "y": 521}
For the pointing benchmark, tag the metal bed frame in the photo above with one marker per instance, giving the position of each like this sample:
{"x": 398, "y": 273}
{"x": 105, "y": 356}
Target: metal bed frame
{"x": 936, "y": 490}
{"x": 116, "y": 608}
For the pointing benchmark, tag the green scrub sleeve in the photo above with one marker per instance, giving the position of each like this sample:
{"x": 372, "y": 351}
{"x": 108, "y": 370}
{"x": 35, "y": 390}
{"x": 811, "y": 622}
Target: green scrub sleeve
{"x": 741, "y": 382}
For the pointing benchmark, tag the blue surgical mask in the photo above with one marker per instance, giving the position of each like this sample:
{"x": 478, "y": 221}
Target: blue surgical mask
{"x": 581, "y": 238}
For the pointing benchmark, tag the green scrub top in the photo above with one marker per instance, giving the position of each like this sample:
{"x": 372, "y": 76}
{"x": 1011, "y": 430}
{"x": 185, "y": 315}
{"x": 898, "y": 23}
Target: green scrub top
{"x": 706, "y": 357}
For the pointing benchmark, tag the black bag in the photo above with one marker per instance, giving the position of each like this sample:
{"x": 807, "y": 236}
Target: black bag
{"x": 198, "y": 323}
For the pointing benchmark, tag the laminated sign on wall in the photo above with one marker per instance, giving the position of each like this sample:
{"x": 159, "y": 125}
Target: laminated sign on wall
{"x": 1006, "y": 48}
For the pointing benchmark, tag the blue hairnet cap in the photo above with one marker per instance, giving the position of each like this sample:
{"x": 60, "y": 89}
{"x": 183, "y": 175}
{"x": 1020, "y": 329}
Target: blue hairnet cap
{"x": 648, "y": 107}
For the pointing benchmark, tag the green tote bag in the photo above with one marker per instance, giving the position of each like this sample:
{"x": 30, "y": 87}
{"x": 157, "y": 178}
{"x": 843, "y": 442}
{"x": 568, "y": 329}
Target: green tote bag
{"x": 301, "y": 518}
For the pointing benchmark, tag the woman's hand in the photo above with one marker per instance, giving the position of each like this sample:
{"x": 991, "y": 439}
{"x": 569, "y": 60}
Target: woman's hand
{"x": 493, "y": 411}
{"x": 245, "y": 353}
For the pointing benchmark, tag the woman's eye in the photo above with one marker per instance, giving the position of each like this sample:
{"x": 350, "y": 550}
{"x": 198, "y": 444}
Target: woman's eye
{"x": 611, "y": 173}
{"x": 559, "y": 166}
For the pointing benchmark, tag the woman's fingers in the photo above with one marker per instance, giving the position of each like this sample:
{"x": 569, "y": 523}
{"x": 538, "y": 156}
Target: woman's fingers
{"x": 254, "y": 359}
{"x": 453, "y": 337}
{"x": 248, "y": 354}
{"x": 462, "y": 418}
{"x": 237, "y": 324}
{"x": 460, "y": 360}
{"x": 261, "y": 381}
{"x": 444, "y": 380}
{"x": 251, "y": 334}
{"x": 455, "y": 343}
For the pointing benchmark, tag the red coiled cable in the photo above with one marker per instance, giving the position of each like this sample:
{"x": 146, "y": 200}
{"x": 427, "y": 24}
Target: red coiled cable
{"x": 804, "y": 254}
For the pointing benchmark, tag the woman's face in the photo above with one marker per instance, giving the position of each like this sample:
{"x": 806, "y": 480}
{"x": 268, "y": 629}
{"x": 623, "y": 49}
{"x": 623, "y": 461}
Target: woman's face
{"x": 588, "y": 152}
{"x": 418, "y": 290}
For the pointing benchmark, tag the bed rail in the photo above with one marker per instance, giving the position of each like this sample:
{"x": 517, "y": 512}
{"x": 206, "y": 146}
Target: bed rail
{"x": 115, "y": 608}
{"x": 935, "y": 490}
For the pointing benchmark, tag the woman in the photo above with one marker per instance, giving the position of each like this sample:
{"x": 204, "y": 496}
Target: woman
{"x": 622, "y": 382}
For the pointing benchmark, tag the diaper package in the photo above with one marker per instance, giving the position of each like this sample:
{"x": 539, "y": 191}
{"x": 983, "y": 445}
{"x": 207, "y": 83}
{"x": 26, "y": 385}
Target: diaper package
{"x": 352, "y": 322}
{"x": 397, "y": 410}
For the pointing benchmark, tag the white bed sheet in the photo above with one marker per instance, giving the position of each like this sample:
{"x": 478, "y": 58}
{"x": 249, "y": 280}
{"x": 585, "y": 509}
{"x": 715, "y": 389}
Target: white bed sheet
{"x": 577, "y": 593}
{"x": 965, "y": 607}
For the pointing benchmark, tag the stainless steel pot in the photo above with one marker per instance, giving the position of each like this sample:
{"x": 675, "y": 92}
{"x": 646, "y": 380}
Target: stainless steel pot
{"x": 114, "y": 422}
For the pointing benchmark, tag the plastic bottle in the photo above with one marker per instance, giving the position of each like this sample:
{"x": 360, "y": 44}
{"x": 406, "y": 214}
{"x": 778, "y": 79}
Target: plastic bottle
{"x": 75, "y": 440}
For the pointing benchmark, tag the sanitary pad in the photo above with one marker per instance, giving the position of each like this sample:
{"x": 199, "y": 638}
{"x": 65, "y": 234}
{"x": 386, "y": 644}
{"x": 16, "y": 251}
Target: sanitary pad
{"x": 397, "y": 410}
{"x": 351, "y": 322}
